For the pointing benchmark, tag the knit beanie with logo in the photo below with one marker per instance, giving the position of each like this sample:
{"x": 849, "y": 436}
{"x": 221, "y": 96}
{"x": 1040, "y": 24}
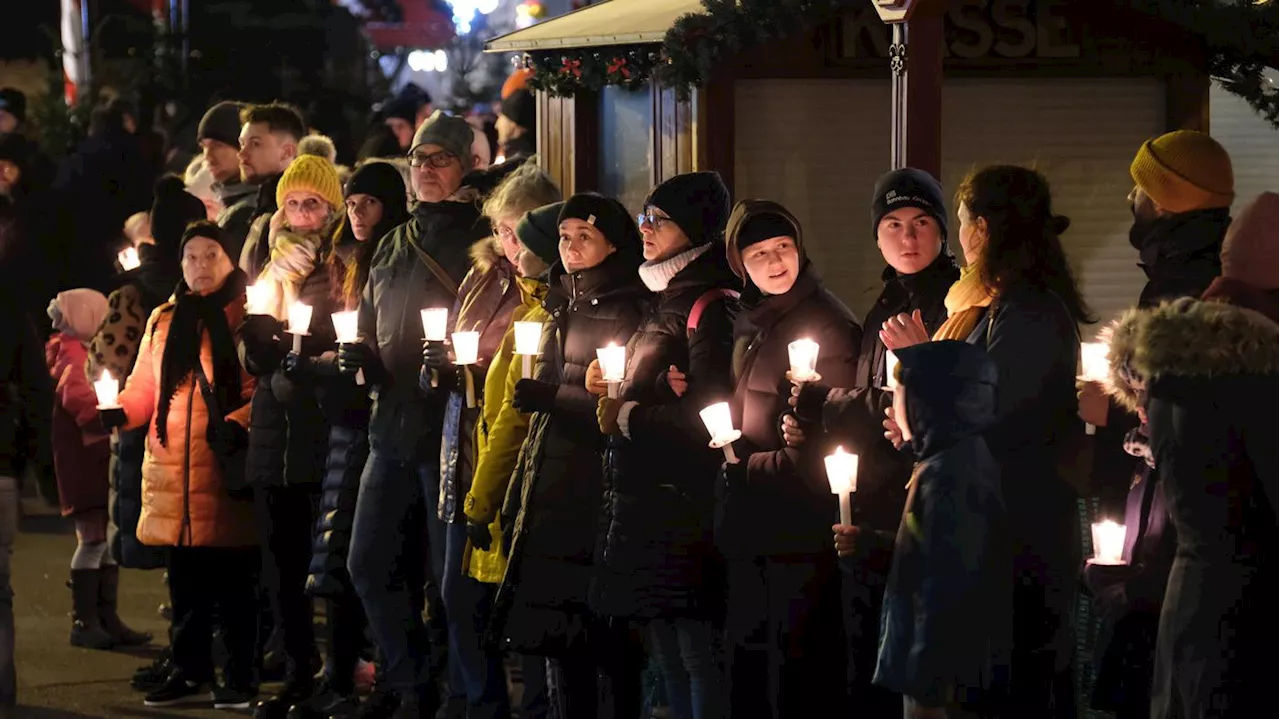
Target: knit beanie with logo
{"x": 908, "y": 187}
{"x": 698, "y": 202}
{"x": 1184, "y": 171}
{"x": 607, "y": 215}
{"x": 309, "y": 173}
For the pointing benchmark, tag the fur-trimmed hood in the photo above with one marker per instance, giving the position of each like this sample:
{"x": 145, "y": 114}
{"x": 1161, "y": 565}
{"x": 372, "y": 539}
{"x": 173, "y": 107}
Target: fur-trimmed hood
{"x": 1189, "y": 338}
{"x": 485, "y": 254}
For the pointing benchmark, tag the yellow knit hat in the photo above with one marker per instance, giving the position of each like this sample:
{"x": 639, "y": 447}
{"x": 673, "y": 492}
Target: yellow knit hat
{"x": 1184, "y": 171}
{"x": 311, "y": 174}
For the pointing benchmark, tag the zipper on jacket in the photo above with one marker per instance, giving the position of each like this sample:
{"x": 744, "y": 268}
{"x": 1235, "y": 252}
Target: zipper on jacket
{"x": 186, "y": 473}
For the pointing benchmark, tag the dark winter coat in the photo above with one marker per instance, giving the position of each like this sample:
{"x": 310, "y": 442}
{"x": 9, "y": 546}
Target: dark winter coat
{"x": 779, "y": 501}
{"x": 541, "y": 607}
{"x": 239, "y": 206}
{"x": 26, "y": 404}
{"x": 945, "y": 631}
{"x": 81, "y": 452}
{"x": 655, "y": 556}
{"x": 487, "y": 298}
{"x": 1206, "y": 367}
{"x": 256, "y": 247}
{"x": 348, "y": 410}
{"x": 404, "y": 424}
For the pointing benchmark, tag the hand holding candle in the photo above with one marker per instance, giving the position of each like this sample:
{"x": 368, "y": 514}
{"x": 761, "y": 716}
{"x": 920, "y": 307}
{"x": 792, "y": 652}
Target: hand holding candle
{"x": 107, "y": 388}
{"x": 719, "y": 422}
{"x": 1094, "y": 367}
{"x": 346, "y": 328}
{"x": 466, "y": 351}
{"x": 803, "y": 354}
{"x": 528, "y": 337}
{"x": 842, "y": 475}
{"x": 258, "y": 298}
{"x": 613, "y": 363}
{"x": 435, "y": 326}
{"x": 128, "y": 259}
{"x": 1108, "y": 543}
{"x": 299, "y": 323}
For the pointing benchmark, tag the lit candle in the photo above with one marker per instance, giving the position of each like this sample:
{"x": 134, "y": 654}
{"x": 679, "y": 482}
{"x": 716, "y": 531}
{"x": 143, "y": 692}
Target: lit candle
{"x": 346, "y": 327}
{"x": 719, "y": 422}
{"x": 435, "y": 324}
{"x": 128, "y": 258}
{"x": 528, "y": 337}
{"x": 258, "y": 298}
{"x": 613, "y": 364}
{"x": 1094, "y": 367}
{"x": 299, "y": 323}
{"x": 842, "y": 475}
{"x": 466, "y": 351}
{"x": 108, "y": 390}
{"x": 890, "y": 369}
{"x": 804, "y": 361}
{"x": 1108, "y": 542}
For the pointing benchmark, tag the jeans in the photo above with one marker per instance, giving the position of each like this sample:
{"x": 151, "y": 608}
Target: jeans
{"x": 387, "y": 563}
{"x": 285, "y": 518}
{"x": 468, "y": 604}
{"x": 685, "y": 650}
{"x": 215, "y": 585}
{"x": 8, "y": 532}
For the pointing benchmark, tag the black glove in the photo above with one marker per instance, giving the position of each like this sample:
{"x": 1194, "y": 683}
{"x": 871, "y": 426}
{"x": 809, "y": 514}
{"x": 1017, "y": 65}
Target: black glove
{"x": 227, "y": 438}
{"x": 532, "y": 395}
{"x": 813, "y": 396}
{"x": 435, "y": 355}
{"x": 479, "y": 535}
{"x": 112, "y": 418}
{"x": 296, "y": 367}
{"x": 355, "y": 357}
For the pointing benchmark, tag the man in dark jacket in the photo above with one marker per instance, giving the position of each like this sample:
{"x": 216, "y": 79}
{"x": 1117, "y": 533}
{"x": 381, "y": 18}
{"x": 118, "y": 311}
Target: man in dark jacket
{"x": 219, "y": 138}
{"x": 418, "y": 266}
{"x": 518, "y": 126}
{"x": 908, "y": 217}
{"x": 268, "y": 143}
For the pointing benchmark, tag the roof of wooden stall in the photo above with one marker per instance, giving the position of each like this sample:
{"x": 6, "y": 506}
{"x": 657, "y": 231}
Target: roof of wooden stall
{"x": 614, "y": 22}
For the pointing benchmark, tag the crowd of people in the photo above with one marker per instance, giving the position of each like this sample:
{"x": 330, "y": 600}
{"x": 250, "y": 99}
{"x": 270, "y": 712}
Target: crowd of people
{"x": 293, "y": 429}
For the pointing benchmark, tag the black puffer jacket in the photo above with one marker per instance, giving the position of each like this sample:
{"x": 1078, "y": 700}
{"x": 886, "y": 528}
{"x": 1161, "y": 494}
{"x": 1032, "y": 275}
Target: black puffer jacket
{"x": 542, "y": 602}
{"x": 347, "y": 407}
{"x": 655, "y": 556}
{"x": 780, "y": 503}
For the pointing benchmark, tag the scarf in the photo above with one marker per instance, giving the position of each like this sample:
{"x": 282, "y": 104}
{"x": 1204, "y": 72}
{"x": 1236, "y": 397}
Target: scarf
{"x": 658, "y": 275}
{"x": 193, "y": 315}
{"x": 966, "y": 301}
{"x": 1138, "y": 444}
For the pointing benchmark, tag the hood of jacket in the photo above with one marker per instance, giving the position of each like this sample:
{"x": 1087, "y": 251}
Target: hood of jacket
{"x": 950, "y": 389}
{"x": 1187, "y": 338}
{"x": 617, "y": 275}
{"x": 485, "y": 255}
{"x": 743, "y": 213}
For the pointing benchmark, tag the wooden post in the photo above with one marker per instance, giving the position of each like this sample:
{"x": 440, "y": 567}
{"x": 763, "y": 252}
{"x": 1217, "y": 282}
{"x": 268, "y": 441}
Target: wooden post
{"x": 915, "y": 64}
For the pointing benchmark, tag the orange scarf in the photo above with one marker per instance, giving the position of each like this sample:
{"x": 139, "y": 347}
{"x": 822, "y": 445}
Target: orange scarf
{"x": 966, "y": 301}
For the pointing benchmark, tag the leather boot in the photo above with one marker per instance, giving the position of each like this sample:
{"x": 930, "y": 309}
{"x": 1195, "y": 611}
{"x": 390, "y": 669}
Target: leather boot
{"x": 108, "y": 597}
{"x": 86, "y": 628}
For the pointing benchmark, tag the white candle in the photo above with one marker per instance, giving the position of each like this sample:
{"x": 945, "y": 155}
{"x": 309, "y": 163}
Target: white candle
{"x": 842, "y": 475}
{"x": 803, "y": 355}
{"x": 108, "y": 390}
{"x": 719, "y": 422}
{"x": 299, "y": 323}
{"x": 128, "y": 258}
{"x": 613, "y": 364}
{"x": 435, "y": 324}
{"x": 466, "y": 351}
{"x": 890, "y": 369}
{"x": 258, "y": 298}
{"x": 1094, "y": 367}
{"x": 346, "y": 327}
{"x": 1108, "y": 542}
{"x": 528, "y": 338}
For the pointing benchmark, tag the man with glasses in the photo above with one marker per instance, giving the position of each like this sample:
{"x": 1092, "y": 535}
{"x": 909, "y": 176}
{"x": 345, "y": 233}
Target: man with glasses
{"x": 419, "y": 265}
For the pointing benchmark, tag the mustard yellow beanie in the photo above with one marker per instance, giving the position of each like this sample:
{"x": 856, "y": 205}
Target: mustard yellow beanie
{"x": 311, "y": 174}
{"x": 1184, "y": 171}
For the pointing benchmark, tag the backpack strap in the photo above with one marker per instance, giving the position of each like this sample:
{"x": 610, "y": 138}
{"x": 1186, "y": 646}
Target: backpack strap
{"x": 700, "y": 306}
{"x": 441, "y": 276}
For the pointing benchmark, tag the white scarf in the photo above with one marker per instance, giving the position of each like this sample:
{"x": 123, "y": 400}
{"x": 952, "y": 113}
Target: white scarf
{"x": 657, "y": 275}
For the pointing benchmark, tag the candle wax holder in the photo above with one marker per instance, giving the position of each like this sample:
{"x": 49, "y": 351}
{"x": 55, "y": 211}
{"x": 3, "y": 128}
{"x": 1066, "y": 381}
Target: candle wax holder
{"x": 726, "y": 443}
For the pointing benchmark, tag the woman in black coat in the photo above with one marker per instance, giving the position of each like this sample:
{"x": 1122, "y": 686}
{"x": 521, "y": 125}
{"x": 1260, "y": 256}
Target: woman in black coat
{"x": 774, "y": 508}
{"x": 541, "y": 608}
{"x": 654, "y": 557}
{"x": 1017, "y": 299}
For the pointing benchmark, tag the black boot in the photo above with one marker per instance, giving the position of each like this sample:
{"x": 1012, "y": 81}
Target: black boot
{"x": 277, "y": 707}
{"x": 108, "y": 597}
{"x": 86, "y": 629}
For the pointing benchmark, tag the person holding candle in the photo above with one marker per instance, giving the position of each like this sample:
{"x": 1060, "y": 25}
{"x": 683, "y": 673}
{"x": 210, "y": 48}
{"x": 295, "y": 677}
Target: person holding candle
{"x": 774, "y": 508}
{"x": 945, "y": 633}
{"x": 193, "y": 433}
{"x": 416, "y": 266}
{"x": 656, "y": 562}
{"x": 487, "y": 299}
{"x": 82, "y": 457}
{"x": 596, "y": 298}
{"x": 1018, "y": 299}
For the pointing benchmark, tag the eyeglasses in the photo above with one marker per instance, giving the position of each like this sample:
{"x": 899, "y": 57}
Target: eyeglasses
{"x": 439, "y": 159}
{"x": 308, "y": 205}
{"x": 504, "y": 232}
{"x": 652, "y": 220}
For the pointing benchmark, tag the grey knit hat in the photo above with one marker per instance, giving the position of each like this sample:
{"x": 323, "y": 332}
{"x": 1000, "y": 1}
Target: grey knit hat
{"x": 450, "y": 132}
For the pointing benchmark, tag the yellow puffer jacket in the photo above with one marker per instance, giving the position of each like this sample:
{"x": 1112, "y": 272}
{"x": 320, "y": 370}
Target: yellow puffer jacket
{"x": 183, "y": 481}
{"x": 499, "y": 435}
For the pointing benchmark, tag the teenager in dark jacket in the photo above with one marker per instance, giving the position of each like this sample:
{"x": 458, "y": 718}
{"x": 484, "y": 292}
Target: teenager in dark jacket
{"x": 945, "y": 633}
{"x": 269, "y": 141}
{"x": 542, "y": 606}
{"x": 655, "y": 558}
{"x": 1214, "y": 446}
{"x": 419, "y": 265}
{"x": 287, "y": 441}
{"x": 909, "y": 220}
{"x": 1018, "y": 299}
{"x": 774, "y": 508}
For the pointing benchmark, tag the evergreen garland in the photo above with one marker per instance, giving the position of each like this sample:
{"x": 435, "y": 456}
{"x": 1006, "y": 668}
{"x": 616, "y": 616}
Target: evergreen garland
{"x": 1240, "y": 37}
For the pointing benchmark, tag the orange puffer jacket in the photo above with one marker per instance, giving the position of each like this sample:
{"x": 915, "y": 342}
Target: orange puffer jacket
{"x": 183, "y": 499}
